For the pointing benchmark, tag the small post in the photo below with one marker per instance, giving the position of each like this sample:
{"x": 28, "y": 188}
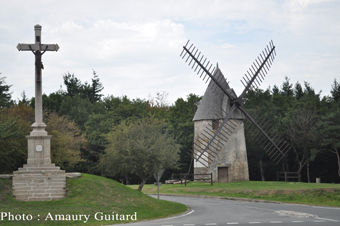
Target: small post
{"x": 158, "y": 189}
{"x": 286, "y": 176}
{"x": 211, "y": 179}
{"x": 180, "y": 175}
{"x": 318, "y": 180}
{"x": 158, "y": 176}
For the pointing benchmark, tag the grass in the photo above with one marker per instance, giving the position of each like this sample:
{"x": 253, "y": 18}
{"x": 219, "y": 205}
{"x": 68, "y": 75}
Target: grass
{"x": 87, "y": 195}
{"x": 290, "y": 192}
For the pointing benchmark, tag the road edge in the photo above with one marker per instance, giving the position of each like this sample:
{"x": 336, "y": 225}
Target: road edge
{"x": 218, "y": 197}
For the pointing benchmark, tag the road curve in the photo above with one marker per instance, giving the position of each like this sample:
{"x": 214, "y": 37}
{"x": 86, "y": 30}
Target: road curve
{"x": 206, "y": 211}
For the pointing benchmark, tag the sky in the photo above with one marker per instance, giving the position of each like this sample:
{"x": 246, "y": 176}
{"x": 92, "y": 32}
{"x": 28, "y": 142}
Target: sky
{"x": 134, "y": 46}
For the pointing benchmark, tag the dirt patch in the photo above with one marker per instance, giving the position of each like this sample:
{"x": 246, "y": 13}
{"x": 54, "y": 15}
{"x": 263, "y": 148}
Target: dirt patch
{"x": 237, "y": 191}
{"x": 199, "y": 190}
{"x": 267, "y": 192}
{"x": 216, "y": 190}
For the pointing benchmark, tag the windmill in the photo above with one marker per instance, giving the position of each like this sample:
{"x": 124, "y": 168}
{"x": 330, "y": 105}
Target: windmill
{"x": 229, "y": 119}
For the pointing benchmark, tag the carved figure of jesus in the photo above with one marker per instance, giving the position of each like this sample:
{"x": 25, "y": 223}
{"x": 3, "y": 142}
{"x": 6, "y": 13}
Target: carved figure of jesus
{"x": 38, "y": 63}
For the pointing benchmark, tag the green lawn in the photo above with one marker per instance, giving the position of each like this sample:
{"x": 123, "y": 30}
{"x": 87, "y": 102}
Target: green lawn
{"x": 86, "y": 196}
{"x": 290, "y": 192}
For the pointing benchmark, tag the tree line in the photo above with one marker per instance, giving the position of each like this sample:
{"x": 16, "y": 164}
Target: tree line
{"x": 87, "y": 129}
{"x": 304, "y": 119}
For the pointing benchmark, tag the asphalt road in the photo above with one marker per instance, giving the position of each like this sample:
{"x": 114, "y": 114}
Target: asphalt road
{"x": 205, "y": 211}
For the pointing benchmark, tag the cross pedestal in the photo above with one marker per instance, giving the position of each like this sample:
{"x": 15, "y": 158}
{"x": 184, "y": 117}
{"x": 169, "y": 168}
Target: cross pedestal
{"x": 39, "y": 179}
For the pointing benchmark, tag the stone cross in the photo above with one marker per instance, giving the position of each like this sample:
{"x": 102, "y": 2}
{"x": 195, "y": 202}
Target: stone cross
{"x": 39, "y": 179}
{"x": 38, "y": 50}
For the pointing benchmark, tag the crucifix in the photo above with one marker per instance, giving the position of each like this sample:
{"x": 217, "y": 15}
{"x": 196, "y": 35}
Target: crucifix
{"x": 39, "y": 179}
{"x": 38, "y": 50}
{"x": 38, "y": 141}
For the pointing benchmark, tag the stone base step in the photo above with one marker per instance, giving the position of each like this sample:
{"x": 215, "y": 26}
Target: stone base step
{"x": 39, "y": 172}
{"x": 34, "y": 183}
{"x": 38, "y": 168}
{"x": 39, "y": 165}
{"x": 43, "y": 185}
{"x": 29, "y": 198}
{"x": 41, "y": 193}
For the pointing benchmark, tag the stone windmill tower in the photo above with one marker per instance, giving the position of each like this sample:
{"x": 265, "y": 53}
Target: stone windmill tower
{"x": 231, "y": 163}
{"x": 219, "y": 144}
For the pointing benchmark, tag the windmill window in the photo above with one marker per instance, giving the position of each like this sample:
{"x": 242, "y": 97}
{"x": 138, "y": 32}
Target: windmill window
{"x": 215, "y": 124}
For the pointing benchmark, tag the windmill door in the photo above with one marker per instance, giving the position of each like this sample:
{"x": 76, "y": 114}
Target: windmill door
{"x": 222, "y": 174}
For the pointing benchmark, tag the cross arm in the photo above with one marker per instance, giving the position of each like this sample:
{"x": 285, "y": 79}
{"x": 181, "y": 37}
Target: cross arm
{"x": 35, "y": 47}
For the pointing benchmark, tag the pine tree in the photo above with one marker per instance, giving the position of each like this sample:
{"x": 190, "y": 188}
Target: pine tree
{"x": 5, "y": 95}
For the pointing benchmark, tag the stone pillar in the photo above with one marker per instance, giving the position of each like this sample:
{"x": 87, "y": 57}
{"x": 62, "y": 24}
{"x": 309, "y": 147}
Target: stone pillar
{"x": 39, "y": 149}
{"x": 39, "y": 179}
{"x": 38, "y": 85}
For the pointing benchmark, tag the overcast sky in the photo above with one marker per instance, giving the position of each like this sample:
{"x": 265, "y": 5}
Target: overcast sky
{"x": 134, "y": 46}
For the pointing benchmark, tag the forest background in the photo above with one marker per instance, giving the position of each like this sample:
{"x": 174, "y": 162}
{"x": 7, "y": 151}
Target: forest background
{"x": 79, "y": 119}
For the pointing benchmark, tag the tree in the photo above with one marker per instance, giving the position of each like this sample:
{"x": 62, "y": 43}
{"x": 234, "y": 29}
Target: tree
{"x": 66, "y": 141}
{"x": 335, "y": 91}
{"x": 287, "y": 88}
{"x": 122, "y": 108}
{"x": 73, "y": 84}
{"x": 80, "y": 100}
{"x": 180, "y": 118}
{"x": 9, "y": 129}
{"x": 159, "y": 101}
{"x": 140, "y": 147}
{"x": 283, "y": 99}
{"x": 5, "y": 95}
{"x": 158, "y": 106}
{"x": 300, "y": 130}
{"x": 74, "y": 87}
{"x": 10, "y": 154}
{"x": 79, "y": 109}
{"x": 259, "y": 104}
{"x": 52, "y": 102}
{"x": 24, "y": 100}
{"x": 298, "y": 92}
{"x": 95, "y": 88}
{"x": 328, "y": 129}
{"x": 15, "y": 123}
{"x": 100, "y": 123}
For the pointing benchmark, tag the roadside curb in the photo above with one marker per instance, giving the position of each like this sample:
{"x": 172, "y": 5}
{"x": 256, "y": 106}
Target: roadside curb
{"x": 218, "y": 197}
{"x": 295, "y": 214}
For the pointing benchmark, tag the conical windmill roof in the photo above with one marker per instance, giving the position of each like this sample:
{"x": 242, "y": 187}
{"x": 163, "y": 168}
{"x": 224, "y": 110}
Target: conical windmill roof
{"x": 214, "y": 100}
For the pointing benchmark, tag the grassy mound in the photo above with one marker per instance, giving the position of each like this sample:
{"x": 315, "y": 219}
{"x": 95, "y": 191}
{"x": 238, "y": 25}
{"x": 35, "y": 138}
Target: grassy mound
{"x": 86, "y": 196}
{"x": 290, "y": 192}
